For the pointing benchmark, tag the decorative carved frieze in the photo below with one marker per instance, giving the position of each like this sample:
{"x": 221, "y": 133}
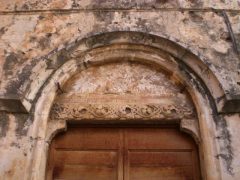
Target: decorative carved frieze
{"x": 119, "y": 111}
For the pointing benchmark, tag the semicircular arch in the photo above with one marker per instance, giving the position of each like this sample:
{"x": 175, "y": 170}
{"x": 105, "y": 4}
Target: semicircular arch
{"x": 132, "y": 40}
{"x": 81, "y": 59}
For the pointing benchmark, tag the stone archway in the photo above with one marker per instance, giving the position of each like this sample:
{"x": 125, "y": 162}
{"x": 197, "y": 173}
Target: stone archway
{"x": 45, "y": 129}
{"x": 127, "y": 93}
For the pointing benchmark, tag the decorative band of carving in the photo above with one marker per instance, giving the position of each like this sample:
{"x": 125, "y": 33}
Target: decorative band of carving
{"x": 108, "y": 111}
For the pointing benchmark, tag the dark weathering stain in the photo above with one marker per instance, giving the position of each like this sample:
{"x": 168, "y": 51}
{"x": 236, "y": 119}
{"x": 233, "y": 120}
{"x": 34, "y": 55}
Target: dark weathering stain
{"x": 11, "y": 60}
{"x": 4, "y": 124}
{"x": 2, "y": 31}
{"x": 14, "y": 86}
{"x": 106, "y": 17}
{"x": 162, "y": 1}
{"x": 62, "y": 57}
{"x": 44, "y": 42}
{"x": 75, "y": 4}
{"x": 21, "y": 121}
{"x": 196, "y": 3}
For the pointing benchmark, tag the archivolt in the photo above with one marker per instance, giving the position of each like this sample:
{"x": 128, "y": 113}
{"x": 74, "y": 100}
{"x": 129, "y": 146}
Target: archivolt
{"x": 132, "y": 41}
{"x": 182, "y": 65}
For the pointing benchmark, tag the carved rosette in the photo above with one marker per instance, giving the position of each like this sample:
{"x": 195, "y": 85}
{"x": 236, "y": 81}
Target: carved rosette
{"x": 119, "y": 111}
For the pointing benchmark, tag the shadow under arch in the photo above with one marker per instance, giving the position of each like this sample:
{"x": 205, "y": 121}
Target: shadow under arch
{"x": 102, "y": 49}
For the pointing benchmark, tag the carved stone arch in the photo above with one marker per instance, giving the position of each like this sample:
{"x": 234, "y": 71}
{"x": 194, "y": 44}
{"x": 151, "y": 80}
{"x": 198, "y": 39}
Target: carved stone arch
{"x": 119, "y": 54}
{"x": 82, "y": 60}
{"x": 197, "y": 62}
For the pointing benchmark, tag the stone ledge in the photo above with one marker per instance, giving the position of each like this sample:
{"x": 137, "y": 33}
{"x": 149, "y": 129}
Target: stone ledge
{"x": 16, "y": 105}
{"x": 78, "y": 10}
{"x": 27, "y": 5}
{"x": 12, "y": 105}
{"x": 232, "y": 106}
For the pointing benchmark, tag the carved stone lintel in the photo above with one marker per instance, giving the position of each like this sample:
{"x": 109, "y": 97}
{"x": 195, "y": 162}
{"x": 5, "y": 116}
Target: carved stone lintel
{"x": 119, "y": 111}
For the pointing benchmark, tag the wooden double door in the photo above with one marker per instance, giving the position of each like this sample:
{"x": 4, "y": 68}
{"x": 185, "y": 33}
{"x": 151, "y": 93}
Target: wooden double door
{"x": 111, "y": 153}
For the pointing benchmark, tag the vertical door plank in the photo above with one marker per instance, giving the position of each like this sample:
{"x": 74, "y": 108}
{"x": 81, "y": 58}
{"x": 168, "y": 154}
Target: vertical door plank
{"x": 121, "y": 156}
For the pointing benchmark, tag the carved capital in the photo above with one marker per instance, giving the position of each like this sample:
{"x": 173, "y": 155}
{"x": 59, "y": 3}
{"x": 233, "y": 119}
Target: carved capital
{"x": 191, "y": 126}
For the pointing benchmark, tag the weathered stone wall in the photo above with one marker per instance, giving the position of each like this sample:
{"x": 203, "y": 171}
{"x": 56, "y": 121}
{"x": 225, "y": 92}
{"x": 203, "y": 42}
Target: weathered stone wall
{"x": 35, "y": 37}
{"x": 14, "y": 145}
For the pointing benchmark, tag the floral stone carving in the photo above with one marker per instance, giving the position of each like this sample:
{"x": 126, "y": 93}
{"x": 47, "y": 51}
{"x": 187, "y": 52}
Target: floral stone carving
{"x": 119, "y": 111}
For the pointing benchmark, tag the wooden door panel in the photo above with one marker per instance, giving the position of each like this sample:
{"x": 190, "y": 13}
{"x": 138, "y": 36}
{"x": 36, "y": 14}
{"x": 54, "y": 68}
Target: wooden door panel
{"x": 88, "y": 138}
{"x": 87, "y": 165}
{"x": 158, "y": 173}
{"x": 102, "y": 158}
{"x": 84, "y": 172}
{"x": 160, "y": 165}
{"x": 155, "y": 138}
{"x": 164, "y": 159}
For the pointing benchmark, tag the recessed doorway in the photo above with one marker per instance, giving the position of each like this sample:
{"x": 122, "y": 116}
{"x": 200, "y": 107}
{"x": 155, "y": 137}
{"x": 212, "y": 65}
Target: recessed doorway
{"x": 123, "y": 153}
